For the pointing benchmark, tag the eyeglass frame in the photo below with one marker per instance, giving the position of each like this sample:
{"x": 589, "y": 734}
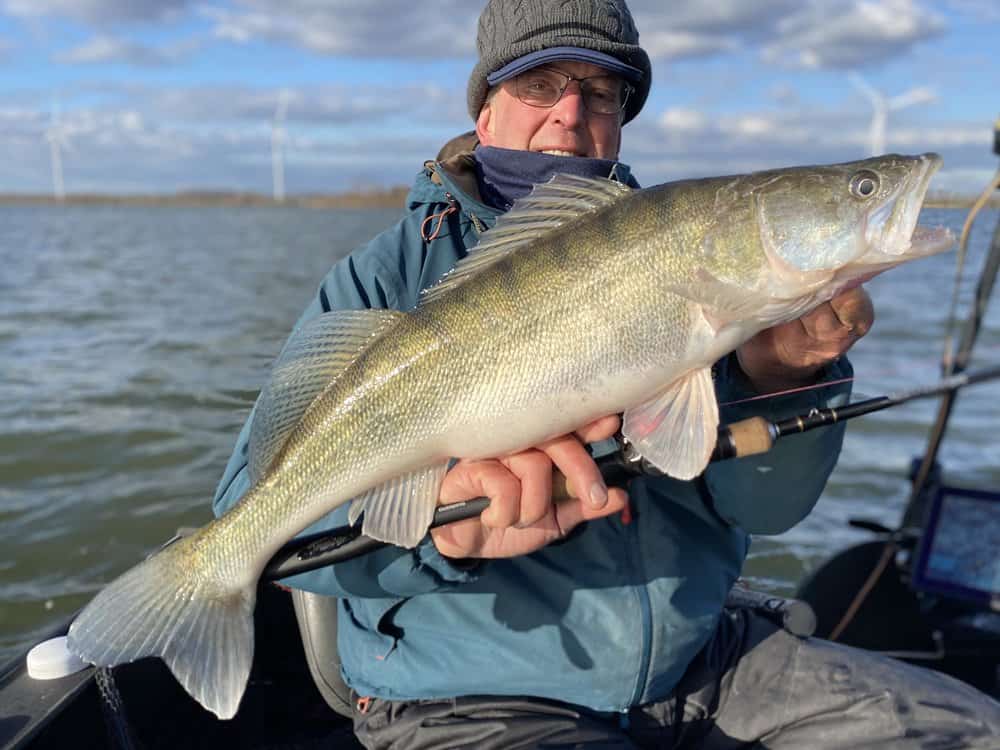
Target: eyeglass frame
{"x": 627, "y": 89}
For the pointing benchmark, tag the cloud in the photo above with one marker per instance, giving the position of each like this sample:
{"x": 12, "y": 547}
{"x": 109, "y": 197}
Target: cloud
{"x": 685, "y": 142}
{"x": 97, "y": 12}
{"x": 110, "y": 49}
{"x": 214, "y": 137}
{"x": 797, "y": 33}
{"x": 680, "y": 120}
{"x": 315, "y": 106}
{"x": 127, "y": 150}
{"x": 20, "y": 124}
{"x": 851, "y": 34}
{"x": 164, "y": 137}
{"x": 719, "y": 17}
{"x": 386, "y": 28}
{"x": 676, "y": 45}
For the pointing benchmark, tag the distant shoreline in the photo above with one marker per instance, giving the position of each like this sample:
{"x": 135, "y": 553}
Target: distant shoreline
{"x": 958, "y": 201}
{"x": 393, "y": 197}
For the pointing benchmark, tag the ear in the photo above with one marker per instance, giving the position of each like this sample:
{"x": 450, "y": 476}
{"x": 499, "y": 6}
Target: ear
{"x": 484, "y": 124}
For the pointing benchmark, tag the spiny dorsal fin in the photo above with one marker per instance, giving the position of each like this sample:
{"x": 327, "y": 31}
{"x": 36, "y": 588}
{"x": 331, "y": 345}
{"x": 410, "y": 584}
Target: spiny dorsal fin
{"x": 550, "y": 205}
{"x": 312, "y": 358}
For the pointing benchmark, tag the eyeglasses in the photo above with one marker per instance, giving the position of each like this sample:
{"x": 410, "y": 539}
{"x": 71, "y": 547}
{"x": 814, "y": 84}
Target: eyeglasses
{"x": 543, "y": 87}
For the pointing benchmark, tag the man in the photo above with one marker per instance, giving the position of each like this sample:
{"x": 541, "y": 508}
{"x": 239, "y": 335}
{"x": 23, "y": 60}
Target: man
{"x": 529, "y": 627}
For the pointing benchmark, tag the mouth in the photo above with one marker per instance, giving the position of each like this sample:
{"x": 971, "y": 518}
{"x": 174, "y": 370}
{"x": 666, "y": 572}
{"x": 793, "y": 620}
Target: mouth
{"x": 930, "y": 240}
{"x": 559, "y": 152}
{"x": 893, "y": 227}
{"x": 893, "y": 234}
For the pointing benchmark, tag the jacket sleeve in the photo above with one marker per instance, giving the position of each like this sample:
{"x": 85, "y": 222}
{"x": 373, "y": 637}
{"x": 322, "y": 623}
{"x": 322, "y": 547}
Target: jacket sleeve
{"x": 771, "y": 492}
{"x": 384, "y": 273}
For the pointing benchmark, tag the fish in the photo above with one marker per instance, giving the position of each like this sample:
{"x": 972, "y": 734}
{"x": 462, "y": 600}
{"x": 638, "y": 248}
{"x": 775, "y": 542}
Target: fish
{"x": 588, "y": 298}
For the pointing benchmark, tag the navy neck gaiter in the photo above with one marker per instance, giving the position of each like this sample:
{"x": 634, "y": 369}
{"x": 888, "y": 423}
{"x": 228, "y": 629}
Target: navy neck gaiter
{"x": 505, "y": 174}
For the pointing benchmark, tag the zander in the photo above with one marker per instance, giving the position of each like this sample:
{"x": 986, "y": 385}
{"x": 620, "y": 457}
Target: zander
{"x": 587, "y": 299}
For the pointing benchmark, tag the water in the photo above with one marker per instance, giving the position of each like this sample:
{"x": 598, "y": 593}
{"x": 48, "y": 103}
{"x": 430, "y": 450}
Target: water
{"x": 133, "y": 341}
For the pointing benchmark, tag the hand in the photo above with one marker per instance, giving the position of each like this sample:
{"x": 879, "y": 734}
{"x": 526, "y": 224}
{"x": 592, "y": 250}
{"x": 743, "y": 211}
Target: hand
{"x": 522, "y": 516}
{"x": 791, "y": 354}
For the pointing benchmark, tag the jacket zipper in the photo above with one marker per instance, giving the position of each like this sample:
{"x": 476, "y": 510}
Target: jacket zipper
{"x": 646, "y": 615}
{"x": 476, "y": 222}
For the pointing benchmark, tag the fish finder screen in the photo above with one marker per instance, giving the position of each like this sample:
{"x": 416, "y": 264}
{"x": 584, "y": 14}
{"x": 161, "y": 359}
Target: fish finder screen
{"x": 960, "y": 552}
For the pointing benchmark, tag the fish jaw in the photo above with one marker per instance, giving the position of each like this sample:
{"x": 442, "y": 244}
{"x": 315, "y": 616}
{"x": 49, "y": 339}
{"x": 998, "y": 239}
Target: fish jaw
{"x": 892, "y": 228}
{"x": 893, "y": 235}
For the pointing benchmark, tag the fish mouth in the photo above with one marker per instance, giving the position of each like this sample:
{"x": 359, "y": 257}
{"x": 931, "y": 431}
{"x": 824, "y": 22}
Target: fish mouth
{"x": 892, "y": 233}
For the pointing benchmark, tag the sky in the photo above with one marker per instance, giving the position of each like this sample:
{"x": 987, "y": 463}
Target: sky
{"x": 157, "y": 96}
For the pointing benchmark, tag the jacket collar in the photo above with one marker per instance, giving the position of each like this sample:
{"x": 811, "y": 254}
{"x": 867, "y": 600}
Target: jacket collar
{"x": 457, "y": 175}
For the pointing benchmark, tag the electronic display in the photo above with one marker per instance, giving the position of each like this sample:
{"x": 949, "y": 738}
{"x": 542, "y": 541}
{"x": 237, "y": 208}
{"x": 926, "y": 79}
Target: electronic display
{"x": 959, "y": 554}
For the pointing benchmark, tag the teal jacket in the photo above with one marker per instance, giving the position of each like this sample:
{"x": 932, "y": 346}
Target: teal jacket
{"x": 609, "y": 617}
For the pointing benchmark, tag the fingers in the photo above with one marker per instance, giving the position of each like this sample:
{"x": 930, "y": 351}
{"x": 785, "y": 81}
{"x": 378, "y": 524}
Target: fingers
{"x": 569, "y": 515}
{"x": 582, "y": 475}
{"x": 533, "y": 470}
{"x": 600, "y": 429}
{"x": 835, "y": 326}
{"x": 523, "y": 516}
{"x": 854, "y": 310}
{"x": 468, "y": 479}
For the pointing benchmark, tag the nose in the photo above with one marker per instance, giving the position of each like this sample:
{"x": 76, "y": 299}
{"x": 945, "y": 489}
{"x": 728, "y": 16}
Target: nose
{"x": 570, "y": 110}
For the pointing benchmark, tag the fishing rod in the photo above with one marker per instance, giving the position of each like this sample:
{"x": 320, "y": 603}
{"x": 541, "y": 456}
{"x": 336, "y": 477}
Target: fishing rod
{"x": 956, "y": 361}
{"x": 619, "y": 462}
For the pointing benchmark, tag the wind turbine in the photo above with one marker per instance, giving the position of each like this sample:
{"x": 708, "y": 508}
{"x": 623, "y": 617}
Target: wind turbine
{"x": 56, "y": 137}
{"x": 882, "y": 106}
{"x": 278, "y": 147}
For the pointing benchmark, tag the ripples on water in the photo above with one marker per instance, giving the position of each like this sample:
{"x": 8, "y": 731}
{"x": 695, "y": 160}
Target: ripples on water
{"x": 133, "y": 341}
{"x": 132, "y": 344}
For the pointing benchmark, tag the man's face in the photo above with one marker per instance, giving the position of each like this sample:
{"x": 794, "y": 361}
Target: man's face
{"x": 567, "y": 128}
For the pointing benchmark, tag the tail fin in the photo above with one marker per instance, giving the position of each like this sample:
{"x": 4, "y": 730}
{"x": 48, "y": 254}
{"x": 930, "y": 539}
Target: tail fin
{"x": 158, "y": 608}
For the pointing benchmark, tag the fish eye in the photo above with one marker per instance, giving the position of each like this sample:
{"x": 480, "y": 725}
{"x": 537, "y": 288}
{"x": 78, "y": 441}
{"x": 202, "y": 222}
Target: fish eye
{"x": 864, "y": 184}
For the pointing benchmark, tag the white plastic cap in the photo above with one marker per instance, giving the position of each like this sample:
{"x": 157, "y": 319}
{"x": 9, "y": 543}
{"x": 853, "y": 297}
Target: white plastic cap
{"x": 51, "y": 659}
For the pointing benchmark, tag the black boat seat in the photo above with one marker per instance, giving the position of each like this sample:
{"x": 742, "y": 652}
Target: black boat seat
{"x": 317, "y": 618}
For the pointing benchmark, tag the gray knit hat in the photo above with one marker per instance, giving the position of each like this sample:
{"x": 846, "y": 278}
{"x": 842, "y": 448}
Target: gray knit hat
{"x": 599, "y": 31}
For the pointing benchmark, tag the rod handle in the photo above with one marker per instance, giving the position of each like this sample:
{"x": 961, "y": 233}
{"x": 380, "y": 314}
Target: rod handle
{"x": 747, "y": 437}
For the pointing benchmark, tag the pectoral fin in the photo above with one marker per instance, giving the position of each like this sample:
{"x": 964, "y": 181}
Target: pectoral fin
{"x": 400, "y": 511}
{"x": 677, "y": 429}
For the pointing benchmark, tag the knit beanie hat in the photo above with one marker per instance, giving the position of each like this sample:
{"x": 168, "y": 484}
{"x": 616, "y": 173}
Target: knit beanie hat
{"x": 515, "y": 35}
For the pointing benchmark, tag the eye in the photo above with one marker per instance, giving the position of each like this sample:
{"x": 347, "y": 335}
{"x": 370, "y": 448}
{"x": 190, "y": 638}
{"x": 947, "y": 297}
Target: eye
{"x": 864, "y": 184}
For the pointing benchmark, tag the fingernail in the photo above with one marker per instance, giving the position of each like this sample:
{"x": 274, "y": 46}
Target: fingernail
{"x": 598, "y": 495}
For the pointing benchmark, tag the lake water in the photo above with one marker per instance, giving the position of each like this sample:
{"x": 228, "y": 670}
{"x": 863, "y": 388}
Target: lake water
{"x": 133, "y": 341}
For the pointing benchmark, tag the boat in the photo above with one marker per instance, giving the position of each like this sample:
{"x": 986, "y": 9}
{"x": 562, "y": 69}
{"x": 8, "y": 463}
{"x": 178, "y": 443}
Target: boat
{"x": 892, "y": 595}
{"x": 142, "y": 705}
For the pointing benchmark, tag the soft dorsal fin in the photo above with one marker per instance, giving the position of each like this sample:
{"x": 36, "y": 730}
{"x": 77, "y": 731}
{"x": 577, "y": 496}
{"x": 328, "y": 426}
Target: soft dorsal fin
{"x": 550, "y": 205}
{"x": 312, "y": 358}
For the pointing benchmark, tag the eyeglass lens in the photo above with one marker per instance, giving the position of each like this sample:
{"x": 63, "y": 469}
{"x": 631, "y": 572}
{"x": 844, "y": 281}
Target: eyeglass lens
{"x": 543, "y": 87}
